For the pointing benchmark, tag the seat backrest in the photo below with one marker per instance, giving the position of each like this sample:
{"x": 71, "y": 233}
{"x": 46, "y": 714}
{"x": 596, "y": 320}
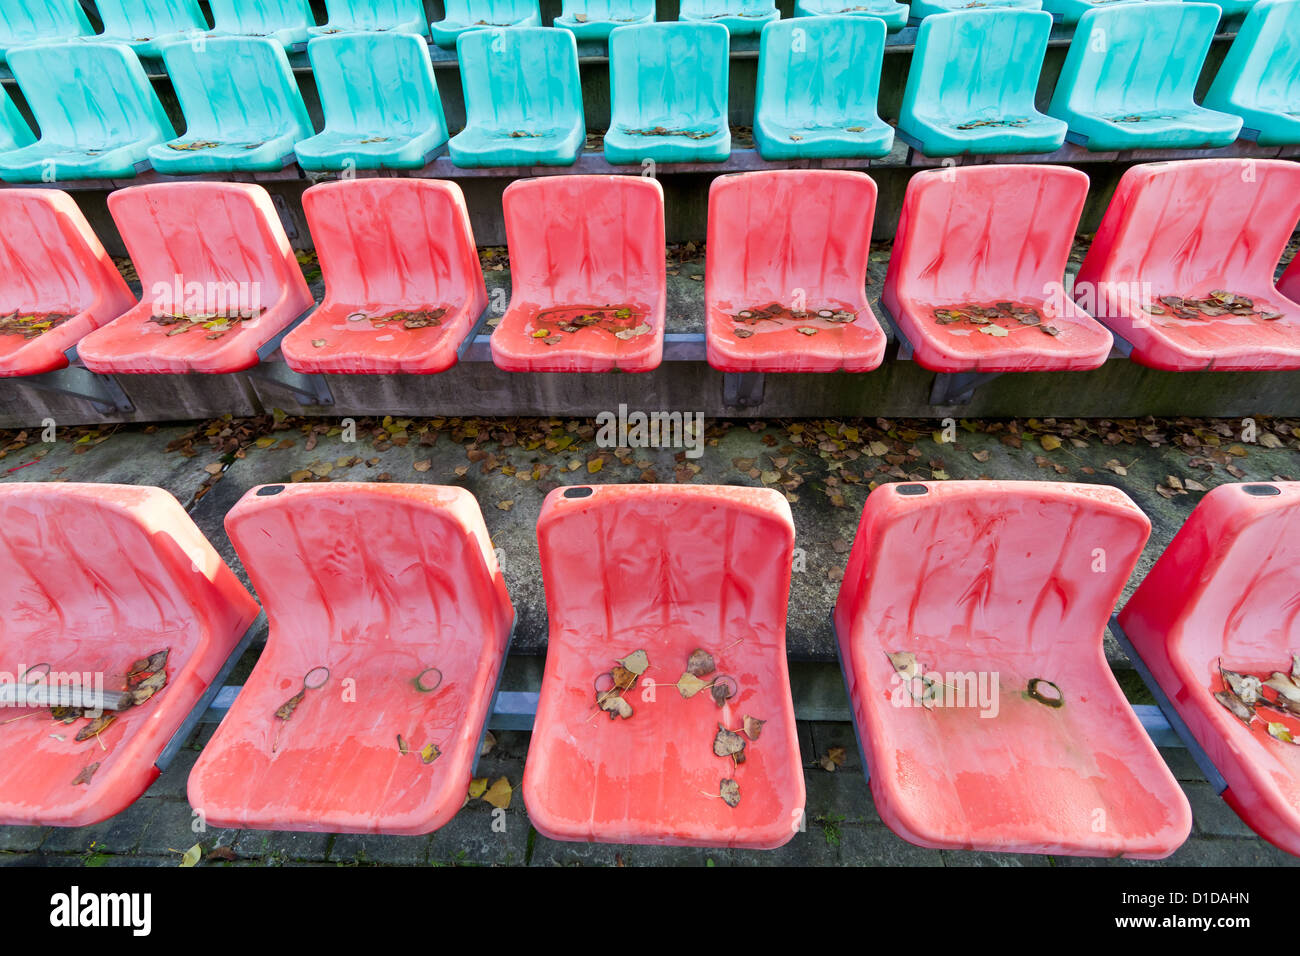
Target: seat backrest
{"x": 221, "y": 243}
{"x": 375, "y": 83}
{"x": 1178, "y": 226}
{"x": 116, "y": 562}
{"x": 977, "y": 63}
{"x": 615, "y": 10}
{"x": 1262, "y": 68}
{"x": 260, "y": 17}
{"x": 576, "y": 239}
{"x": 775, "y": 233}
{"x": 634, "y": 559}
{"x": 146, "y": 19}
{"x": 89, "y": 95}
{"x": 727, "y": 8}
{"x": 24, "y": 21}
{"x": 985, "y": 233}
{"x": 50, "y": 259}
{"x": 1136, "y": 57}
{"x": 491, "y": 12}
{"x": 373, "y": 564}
{"x": 1228, "y": 585}
{"x": 672, "y": 75}
{"x": 374, "y": 14}
{"x": 963, "y": 562}
{"x": 236, "y": 87}
{"x": 521, "y": 78}
{"x": 394, "y": 242}
{"x": 833, "y": 70}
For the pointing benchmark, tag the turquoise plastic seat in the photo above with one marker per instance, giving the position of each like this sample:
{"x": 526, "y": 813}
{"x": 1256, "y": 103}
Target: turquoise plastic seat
{"x": 1236, "y": 8}
{"x": 1068, "y": 12}
{"x": 96, "y": 109}
{"x": 242, "y": 107}
{"x": 928, "y": 8}
{"x": 670, "y": 78}
{"x": 372, "y": 16}
{"x": 380, "y": 101}
{"x": 594, "y": 19}
{"x": 284, "y": 21}
{"x": 465, "y": 15}
{"x": 523, "y": 99}
{"x": 1135, "y": 90}
{"x": 1259, "y": 79}
{"x": 741, "y": 17}
{"x": 817, "y": 98}
{"x": 32, "y": 21}
{"x": 14, "y": 131}
{"x": 894, "y": 14}
{"x": 149, "y": 25}
{"x": 972, "y": 84}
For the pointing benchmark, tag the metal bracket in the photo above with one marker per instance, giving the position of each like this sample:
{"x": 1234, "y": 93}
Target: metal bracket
{"x": 309, "y": 389}
{"x": 1166, "y": 706}
{"x": 743, "y": 389}
{"x": 471, "y": 340}
{"x": 957, "y": 388}
{"x": 102, "y": 391}
{"x": 853, "y": 713}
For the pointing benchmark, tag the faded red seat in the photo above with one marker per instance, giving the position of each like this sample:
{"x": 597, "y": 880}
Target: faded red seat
{"x": 94, "y": 578}
{"x": 581, "y": 245}
{"x": 382, "y": 586}
{"x": 1289, "y": 284}
{"x": 799, "y": 239}
{"x": 386, "y": 247}
{"x": 207, "y": 250}
{"x": 1187, "y": 229}
{"x": 664, "y": 570}
{"x": 1223, "y": 595}
{"x": 984, "y": 235}
{"x": 992, "y": 586}
{"x": 54, "y": 269}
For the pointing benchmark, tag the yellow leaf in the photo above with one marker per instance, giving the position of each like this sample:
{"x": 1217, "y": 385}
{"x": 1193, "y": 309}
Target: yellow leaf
{"x": 499, "y": 794}
{"x": 1049, "y": 442}
{"x": 477, "y": 787}
{"x": 595, "y": 465}
{"x": 192, "y": 855}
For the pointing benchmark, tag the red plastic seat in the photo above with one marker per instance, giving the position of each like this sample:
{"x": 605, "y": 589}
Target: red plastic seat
{"x": 581, "y": 244}
{"x": 799, "y": 239}
{"x": 665, "y": 570}
{"x": 199, "y": 248}
{"x": 983, "y": 235}
{"x": 1223, "y": 594}
{"x": 1011, "y": 582}
{"x": 52, "y": 267}
{"x": 394, "y": 590}
{"x": 389, "y": 246}
{"x": 1186, "y": 229}
{"x": 94, "y": 578}
{"x": 1289, "y": 284}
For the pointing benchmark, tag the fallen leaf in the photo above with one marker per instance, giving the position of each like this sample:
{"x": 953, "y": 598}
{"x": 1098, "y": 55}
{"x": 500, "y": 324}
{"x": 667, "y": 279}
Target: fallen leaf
{"x": 727, "y": 742}
{"x": 688, "y": 685}
{"x": 636, "y": 662}
{"x": 488, "y": 745}
{"x": 86, "y": 773}
{"x": 1280, "y": 731}
{"x": 499, "y": 794}
{"x": 402, "y": 746}
{"x": 1235, "y": 707}
{"x": 96, "y": 726}
{"x": 729, "y": 790}
{"x": 834, "y": 757}
{"x": 753, "y": 727}
{"x": 905, "y": 664}
{"x": 223, "y": 853}
{"x": 430, "y": 753}
{"x": 192, "y": 855}
{"x": 286, "y": 709}
{"x": 477, "y": 787}
{"x": 700, "y": 663}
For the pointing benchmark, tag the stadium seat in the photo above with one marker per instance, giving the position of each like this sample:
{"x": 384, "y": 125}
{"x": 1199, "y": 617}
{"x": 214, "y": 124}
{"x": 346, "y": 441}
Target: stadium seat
{"x": 242, "y": 107}
{"x": 1235, "y": 8}
{"x": 56, "y": 281}
{"x": 97, "y": 579}
{"x": 893, "y": 13}
{"x": 971, "y": 640}
{"x": 587, "y": 275}
{"x": 380, "y": 101}
{"x": 97, "y": 112}
{"x": 284, "y": 21}
{"x": 594, "y": 19}
{"x": 994, "y": 237}
{"x": 464, "y": 16}
{"x": 399, "y": 248}
{"x": 797, "y": 240}
{"x": 523, "y": 99}
{"x": 920, "y": 9}
{"x": 1221, "y": 598}
{"x": 218, "y": 277}
{"x": 1134, "y": 91}
{"x": 817, "y": 98}
{"x": 149, "y": 25}
{"x": 390, "y": 591}
{"x": 972, "y": 82}
{"x": 33, "y": 21}
{"x": 740, "y": 17}
{"x": 14, "y": 131}
{"x": 1259, "y": 79}
{"x": 668, "y": 86}
{"x": 652, "y": 575}
{"x": 373, "y": 16}
{"x": 1198, "y": 229}
{"x": 1068, "y": 12}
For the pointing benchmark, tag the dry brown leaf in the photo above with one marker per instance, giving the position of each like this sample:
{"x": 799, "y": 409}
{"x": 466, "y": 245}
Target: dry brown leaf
{"x": 727, "y": 742}
{"x": 753, "y": 727}
{"x": 729, "y": 790}
{"x": 636, "y": 662}
{"x": 700, "y": 663}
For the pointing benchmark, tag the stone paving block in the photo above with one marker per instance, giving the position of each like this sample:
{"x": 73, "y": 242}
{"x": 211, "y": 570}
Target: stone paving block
{"x": 563, "y": 853}
{"x": 171, "y": 830}
{"x": 1211, "y": 814}
{"x": 880, "y": 846}
{"x": 377, "y": 848}
{"x": 470, "y": 838}
{"x": 813, "y": 847}
{"x": 170, "y": 785}
{"x": 1181, "y": 764}
{"x": 843, "y": 795}
{"x": 828, "y": 735}
{"x": 118, "y": 834}
{"x": 20, "y": 839}
{"x": 283, "y": 845}
{"x": 984, "y": 858}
